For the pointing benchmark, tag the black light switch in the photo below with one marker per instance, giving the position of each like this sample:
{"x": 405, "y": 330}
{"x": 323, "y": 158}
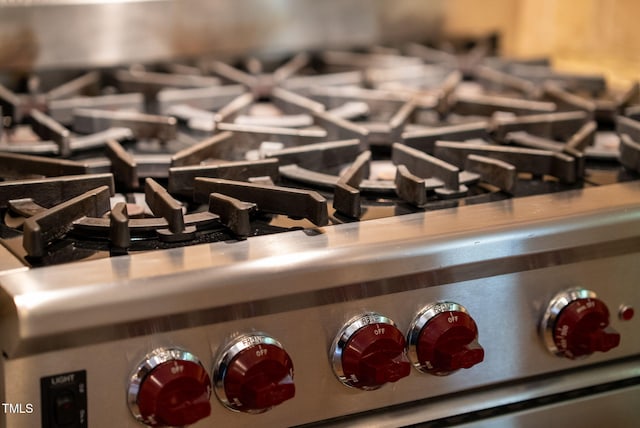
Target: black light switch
{"x": 65, "y": 408}
{"x": 64, "y": 400}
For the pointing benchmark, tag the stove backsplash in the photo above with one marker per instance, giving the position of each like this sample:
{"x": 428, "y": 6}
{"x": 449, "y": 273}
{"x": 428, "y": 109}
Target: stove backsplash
{"x": 43, "y": 34}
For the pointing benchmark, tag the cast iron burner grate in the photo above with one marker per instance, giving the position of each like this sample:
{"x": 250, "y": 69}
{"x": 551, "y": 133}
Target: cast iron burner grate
{"x": 116, "y": 161}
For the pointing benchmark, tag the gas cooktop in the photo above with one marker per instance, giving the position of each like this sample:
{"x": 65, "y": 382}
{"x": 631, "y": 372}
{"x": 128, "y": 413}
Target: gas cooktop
{"x": 117, "y": 161}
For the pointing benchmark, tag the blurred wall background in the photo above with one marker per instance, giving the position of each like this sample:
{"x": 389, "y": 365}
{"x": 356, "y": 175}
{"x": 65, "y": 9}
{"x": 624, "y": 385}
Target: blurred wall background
{"x": 578, "y": 35}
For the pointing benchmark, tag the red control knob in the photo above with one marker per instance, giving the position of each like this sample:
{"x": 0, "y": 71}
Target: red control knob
{"x": 576, "y": 324}
{"x": 443, "y": 338}
{"x": 369, "y": 352}
{"x": 253, "y": 374}
{"x": 170, "y": 388}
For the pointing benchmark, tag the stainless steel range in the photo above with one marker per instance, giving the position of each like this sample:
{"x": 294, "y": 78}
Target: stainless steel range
{"x": 335, "y": 238}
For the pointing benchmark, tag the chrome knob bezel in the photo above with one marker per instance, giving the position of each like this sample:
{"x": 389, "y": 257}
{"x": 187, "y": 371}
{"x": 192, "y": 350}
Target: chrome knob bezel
{"x": 420, "y": 321}
{"x": 342, "y": 338}
{"x": 226, "y": 356}
{"x": 557, "y": 304}
{"x": 152, "y": 360}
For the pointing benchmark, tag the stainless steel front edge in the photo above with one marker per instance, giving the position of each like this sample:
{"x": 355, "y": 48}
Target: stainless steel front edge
{"x": 84, "y": 301}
